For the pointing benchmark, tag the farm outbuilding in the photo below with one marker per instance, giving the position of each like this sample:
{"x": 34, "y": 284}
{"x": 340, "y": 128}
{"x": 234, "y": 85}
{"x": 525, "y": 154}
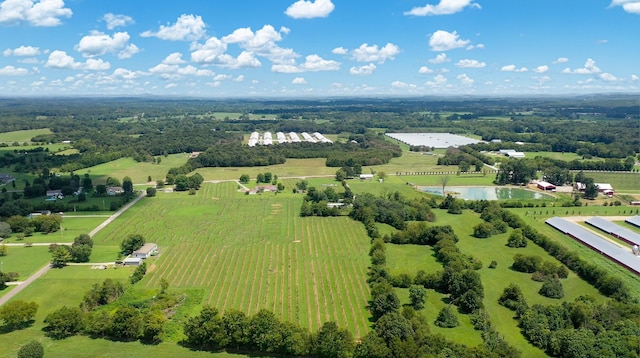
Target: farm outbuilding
{"x": 366, "y": 176}
{"x": 546, "y": 186}
{"x": 145, "y": 251}
{"x": 606, "y": 248}
{"x": 132, "y": 261}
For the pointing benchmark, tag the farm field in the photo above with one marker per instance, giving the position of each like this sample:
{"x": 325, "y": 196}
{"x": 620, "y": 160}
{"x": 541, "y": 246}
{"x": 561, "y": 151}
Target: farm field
{"x": 621, "y": 182}
{"x": 22, "y": 136}
{"x": 138, "y": 172}
{"x": 261, "y": 255}
{"x": 71, "y": 227}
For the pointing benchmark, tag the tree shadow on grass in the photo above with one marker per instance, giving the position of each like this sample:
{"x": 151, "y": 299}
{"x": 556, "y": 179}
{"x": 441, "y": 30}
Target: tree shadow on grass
{"x": 4, "y": 329}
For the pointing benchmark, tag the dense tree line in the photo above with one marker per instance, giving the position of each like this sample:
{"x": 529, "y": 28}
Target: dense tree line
{"x": 582, "y": 328}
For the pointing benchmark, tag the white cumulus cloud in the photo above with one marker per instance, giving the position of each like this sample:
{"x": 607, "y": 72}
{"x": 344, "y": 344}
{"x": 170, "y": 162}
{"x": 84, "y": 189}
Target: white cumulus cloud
{"x": 465, "y": 80}
{"x": 513, "y": 68}
{"x": 630, "y": 6}
{"x": 561, "y": 60}
{"x": 444, "y": 41}
{"x": 403, "y": 85}
{"x": 28, "y": 51}
{"x": 635, "y": 77}
{"x": 262, "y": 43}
{"x": 366, "y": 53}
{"x": 588, "y": 69}
{"x": 313, "y": 63}
{"x": 470, "y": 64}
{"x": 186, "y": 28}
{"x": 60, "y": 59}
{"x": 299, "y": 81}
{"x": 304, "y": 9}
{"x": 340, "y": 51}
{"x": 608, "y": 77}
{"x": 13, "y": 71}
{"x": 541, "y": 69}
{"x": 114, "y": 20}
{"x": 174, "y": 59}
{"x": 36, "y": 13}
{"x": 440, "y": 58}
{"x": 444, "y": 7}
{"x": 424, "y": 70}
{"x": 363, "y": 70}
{"x": 96, "y": 65}
{"x": 99, "y": 43}
{"x": 438, "y": 80}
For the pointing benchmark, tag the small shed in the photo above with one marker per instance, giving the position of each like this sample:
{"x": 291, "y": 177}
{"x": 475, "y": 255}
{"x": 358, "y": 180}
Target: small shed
{"x": 145, "y": 251}
{"x": 132, "y": 261}
{"x": 366, "y": 176}
{"x": 515, "y": 155}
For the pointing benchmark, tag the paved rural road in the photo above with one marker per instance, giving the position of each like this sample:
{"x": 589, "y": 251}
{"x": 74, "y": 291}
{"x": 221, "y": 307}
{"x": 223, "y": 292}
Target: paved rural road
{"x": 46, "y": 268}
{"x": 24, "y": 284}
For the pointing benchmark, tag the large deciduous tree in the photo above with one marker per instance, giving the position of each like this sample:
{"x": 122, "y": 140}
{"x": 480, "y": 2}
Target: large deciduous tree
{"x": 132, "y": 243}
{"x": 64, "y": 322}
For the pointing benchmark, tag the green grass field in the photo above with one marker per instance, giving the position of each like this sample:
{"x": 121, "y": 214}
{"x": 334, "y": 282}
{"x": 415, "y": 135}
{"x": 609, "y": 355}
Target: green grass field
{"x": 252, "y": 252}
{"x": 138, "y": 172}
{"x": 410, "y": 258}
{"x": 24, "y": 260}
{"x": 22, "y": 136}
{"x": 621, "y": 182}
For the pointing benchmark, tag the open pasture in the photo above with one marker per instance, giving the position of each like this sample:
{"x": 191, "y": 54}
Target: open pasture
{"x": 138, "y": 172}
{"x": 405, "y": 259}
{"x": 22, "y": 136}
{"x": 252, "y": 252}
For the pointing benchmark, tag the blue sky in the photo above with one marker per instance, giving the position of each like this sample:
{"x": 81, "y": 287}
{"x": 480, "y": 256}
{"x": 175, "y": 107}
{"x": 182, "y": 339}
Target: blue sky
{"x": 319, "y": 48}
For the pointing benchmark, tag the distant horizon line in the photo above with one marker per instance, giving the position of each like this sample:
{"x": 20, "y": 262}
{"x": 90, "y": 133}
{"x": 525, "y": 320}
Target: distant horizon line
{"x": 379, "y": 96}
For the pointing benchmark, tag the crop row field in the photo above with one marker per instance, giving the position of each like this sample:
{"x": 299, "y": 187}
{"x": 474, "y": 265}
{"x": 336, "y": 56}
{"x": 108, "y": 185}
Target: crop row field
{"x": 253, "y": 251}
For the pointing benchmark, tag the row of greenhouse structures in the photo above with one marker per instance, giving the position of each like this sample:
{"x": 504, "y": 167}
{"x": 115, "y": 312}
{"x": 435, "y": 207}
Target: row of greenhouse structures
{"x": 267, "y": 139}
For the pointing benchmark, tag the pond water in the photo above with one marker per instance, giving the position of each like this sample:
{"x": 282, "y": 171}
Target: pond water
{"x": 485, "y": 192}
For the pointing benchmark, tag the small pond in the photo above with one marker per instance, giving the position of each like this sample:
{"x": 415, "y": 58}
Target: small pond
{"x": 485, "y": 192}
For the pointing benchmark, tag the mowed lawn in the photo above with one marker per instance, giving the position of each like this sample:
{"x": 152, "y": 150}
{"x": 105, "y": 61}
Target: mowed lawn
{"x": 253, "y": 252}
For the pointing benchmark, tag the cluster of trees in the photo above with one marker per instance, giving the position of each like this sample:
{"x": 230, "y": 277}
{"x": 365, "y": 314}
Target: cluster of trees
{"x": 464, "y": 158}
{"x": 316, "y": 202}
{"x": 582, "y": 328}
{"x": 17, "y": 314}
{"x": 7, "y": 277}
{"x": 393, "y": 209}
{"x": 131, "y": 243}
{"x": 405, "y": 333}
{"x": 138, "y": 273}
{"x": 264, "y": 333}
{"x": 183, "y": 182}
{"x": 79, "y": 251}
{"x": 24, "y": 226}
{"x": 145, "y": 321}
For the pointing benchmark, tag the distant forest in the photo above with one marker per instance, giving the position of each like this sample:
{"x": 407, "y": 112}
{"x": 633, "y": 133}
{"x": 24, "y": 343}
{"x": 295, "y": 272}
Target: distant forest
{"x": 104, "y": 129}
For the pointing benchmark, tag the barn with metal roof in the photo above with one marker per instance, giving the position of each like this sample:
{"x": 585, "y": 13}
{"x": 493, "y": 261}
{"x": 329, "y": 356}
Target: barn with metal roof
{"x": 615, "y": 230}
{"x": 622, "y": 256}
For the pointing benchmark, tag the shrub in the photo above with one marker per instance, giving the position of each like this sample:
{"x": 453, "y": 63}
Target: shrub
{"x": 447, "y": 318}
{"x": 552, "y": 288}
{"x": 33, "y": 349}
